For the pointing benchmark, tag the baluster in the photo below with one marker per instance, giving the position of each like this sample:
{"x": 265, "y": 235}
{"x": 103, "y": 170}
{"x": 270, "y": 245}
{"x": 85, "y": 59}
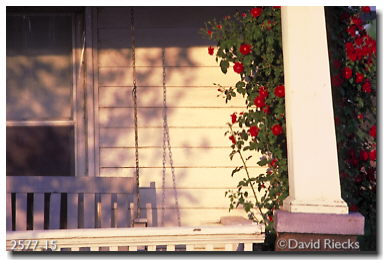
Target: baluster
{"x": 39, "y": 211}
{"x": 248, "y": 246}
{"x": 9, "y": 211}
{"x": 123, "y": 210}
{"x": 105, "y": 219}
{"x": 55, "y": 211}
{"x": 89, "y": 210}
{"x": 72, "y": 211}
{"x": 21, "y": 211}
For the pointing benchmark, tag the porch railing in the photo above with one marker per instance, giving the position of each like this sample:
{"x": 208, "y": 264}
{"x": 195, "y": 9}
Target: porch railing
{"x": 95, "y": 213}
{"x": 53, "y": 202}
{"x": 210, "y": 238}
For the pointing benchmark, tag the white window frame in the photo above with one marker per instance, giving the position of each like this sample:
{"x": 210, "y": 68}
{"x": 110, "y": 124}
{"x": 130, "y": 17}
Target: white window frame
{"x": 77, "y": 120}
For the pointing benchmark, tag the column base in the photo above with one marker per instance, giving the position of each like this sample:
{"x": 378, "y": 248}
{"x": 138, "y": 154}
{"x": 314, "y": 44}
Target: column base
{"x": 317, "y": 232}
{"x": 315, "y": 206}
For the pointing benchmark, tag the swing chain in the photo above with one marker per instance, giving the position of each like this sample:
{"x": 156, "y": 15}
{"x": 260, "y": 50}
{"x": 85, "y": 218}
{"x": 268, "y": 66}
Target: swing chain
{"x": 167, "y": 143}
{"x": 134, "y": 91}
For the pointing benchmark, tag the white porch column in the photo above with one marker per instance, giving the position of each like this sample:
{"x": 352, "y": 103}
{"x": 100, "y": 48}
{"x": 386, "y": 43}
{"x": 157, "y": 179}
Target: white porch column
{"x": 311, "y": 139}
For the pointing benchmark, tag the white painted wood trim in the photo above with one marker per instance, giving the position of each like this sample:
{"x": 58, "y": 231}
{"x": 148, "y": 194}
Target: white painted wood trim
{"x": 35, "y": 123}
{"x": 149, "y": 237}
{"x": 95, "y": 59}
{"x": 89, "y": 88}
{"x": 80, "y": 117}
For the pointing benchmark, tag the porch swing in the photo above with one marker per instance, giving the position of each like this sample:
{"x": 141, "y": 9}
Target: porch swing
{"x": 139, "y": 221}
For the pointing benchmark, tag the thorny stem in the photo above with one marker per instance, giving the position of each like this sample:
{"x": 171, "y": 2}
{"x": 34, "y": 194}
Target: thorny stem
{"x": 249, "y": 180}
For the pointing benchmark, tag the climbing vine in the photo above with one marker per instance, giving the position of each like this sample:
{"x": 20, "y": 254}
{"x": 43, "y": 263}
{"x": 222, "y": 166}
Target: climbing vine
{"x": 352, "y": 57}
{"x": 250, "y": 43}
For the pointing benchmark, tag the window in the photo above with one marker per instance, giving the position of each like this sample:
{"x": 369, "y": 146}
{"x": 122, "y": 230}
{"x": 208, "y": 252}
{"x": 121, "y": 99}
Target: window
{"x": 41, "y": 97}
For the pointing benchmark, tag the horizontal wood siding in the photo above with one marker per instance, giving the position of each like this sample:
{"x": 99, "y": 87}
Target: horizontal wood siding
{"x": 196, "y": 116}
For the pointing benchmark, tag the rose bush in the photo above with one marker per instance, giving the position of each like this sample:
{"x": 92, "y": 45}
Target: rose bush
{"x": 352, "y": 57}
{"x": 251, "y": 43}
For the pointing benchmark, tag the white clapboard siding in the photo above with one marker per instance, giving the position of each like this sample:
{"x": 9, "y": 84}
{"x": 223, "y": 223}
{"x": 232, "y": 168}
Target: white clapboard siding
{"x": 145, "y": 17}
{"x": 196, "y": 216}
{"x": 151, "y": 56}
{"x": 176, "y": 76}
{"x": 188, "y": 198}
{"x": 185, "y": 177}
{"x": 197, "y": 117}
{"x": 152, "y": 37}
{"x": 184, "y": 157}
{"x": 177, "y": 117}
{"x": 153, "y": 137}
{"x": 206, "y": 97}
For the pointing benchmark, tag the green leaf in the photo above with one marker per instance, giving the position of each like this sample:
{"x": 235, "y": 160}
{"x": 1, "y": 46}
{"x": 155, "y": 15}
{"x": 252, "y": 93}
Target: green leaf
{"x": 224, "y": 66}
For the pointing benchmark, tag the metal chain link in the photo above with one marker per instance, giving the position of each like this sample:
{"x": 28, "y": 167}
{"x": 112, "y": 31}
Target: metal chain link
{"x": 166, "y": 142}
{"x": 134, "y": 91}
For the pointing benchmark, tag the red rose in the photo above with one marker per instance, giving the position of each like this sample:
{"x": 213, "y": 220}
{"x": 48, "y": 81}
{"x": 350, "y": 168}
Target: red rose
{"x": 358, "y": 179}
{"x": 256, "y": 12}
{"x": 270, "y": 218}
{"x": 359, "y": 41}
{"x": 219, "y": 26}
{"x": 273, "y": 163}
{"x": 253, "y": 131}
{"x": 209, "y": 32}
{"x": 364, "y": 155}
{"x": 211, "y": 50}
{"x": 245, "y": 49}
{"x": 233, "y": 139}
{"x": 266, "y": 109}
{"x": 372, "y": 131}
{"x": 352, "y": 30}
{"x": 357, "y": 21}
{"x": 337, "y": 121}
{"x": 352, "y": 56}
{"x": 373, "y": 155}
{"x": 279, "y": 91}
{"x": 243, "y": 15}
{"x": 366, "y": 87}
{"x": 277, "y": 130}
{"x": 337, "y": 64}
{"x": 234, "y": 118}
{"x": 336, "y": 80}
{"x": 259, "y": 102}
{"x": 263, "y": 92}
{"x": 238, "y": 67}
{"x": 347, "y": 72}
{"x": 365, "y": 9}
{"x": 360, "y": 116}
{"x": 359, "y": 77}
{"x": 349, "y": 46}
{"x": 353, "y": 208}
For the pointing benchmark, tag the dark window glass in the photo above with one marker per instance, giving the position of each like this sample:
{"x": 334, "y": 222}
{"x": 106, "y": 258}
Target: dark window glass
{"x": 40, "y": 151}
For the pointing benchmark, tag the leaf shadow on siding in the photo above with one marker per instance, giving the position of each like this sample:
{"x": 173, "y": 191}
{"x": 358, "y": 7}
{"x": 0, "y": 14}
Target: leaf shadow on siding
{"x": 116, "y": 73}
